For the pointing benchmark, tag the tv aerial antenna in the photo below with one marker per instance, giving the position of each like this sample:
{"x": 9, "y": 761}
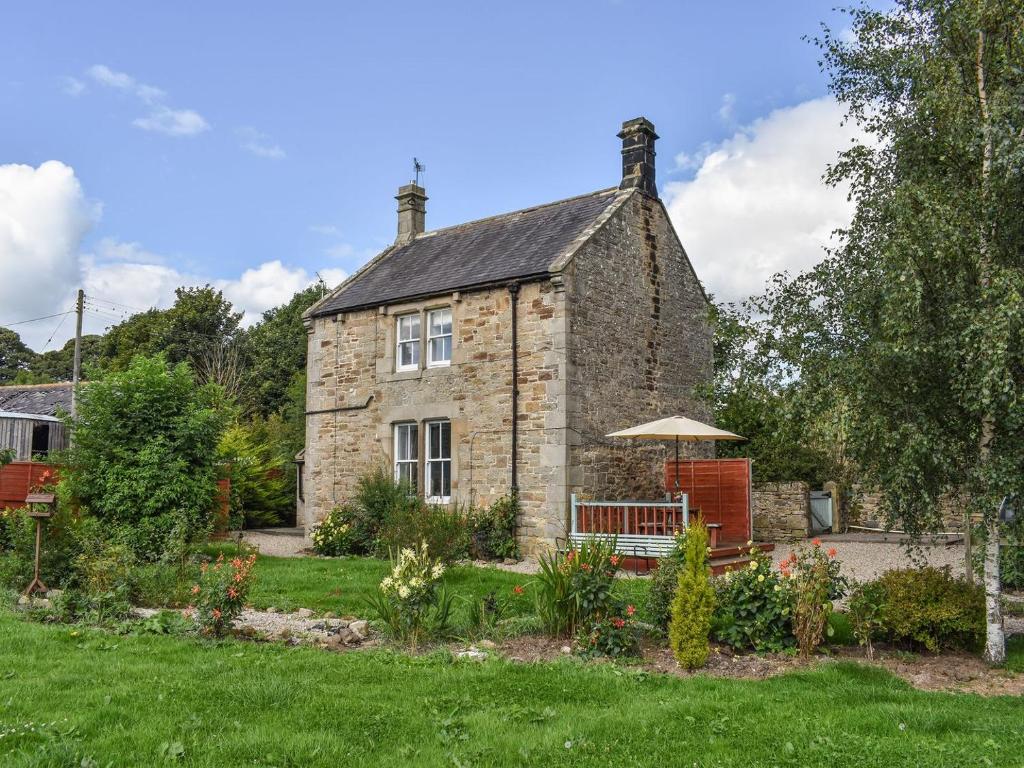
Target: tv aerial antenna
{"x": 418, "y": 168}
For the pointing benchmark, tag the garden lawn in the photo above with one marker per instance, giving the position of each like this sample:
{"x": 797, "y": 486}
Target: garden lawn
{"x": 342, "y": 585}
{"x": 96, "y": 699}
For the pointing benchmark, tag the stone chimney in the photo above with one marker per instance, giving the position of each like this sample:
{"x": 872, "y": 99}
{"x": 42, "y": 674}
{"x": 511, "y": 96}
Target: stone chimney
{"x": 412, "y": 212}
{"x": 638, "y": 139}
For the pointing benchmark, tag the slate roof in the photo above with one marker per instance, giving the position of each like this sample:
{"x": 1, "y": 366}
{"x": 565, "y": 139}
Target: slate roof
{"x": 518, "y": 245}
{"x": 37, "y": 399}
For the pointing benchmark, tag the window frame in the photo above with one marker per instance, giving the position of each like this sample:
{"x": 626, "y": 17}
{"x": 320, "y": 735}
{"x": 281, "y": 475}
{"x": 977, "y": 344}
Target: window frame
{"x": 430, "y": 462}
{"x": 412, "y": 444}
{"x": 416, "y": 343}
{"x": 431, "y": 363}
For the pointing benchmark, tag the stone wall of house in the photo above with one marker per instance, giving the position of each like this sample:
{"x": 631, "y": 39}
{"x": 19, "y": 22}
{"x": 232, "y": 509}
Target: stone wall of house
{"x": 640, "y": 345}
{"x": 355, "y": 396}
{"x": 782, "y": 511}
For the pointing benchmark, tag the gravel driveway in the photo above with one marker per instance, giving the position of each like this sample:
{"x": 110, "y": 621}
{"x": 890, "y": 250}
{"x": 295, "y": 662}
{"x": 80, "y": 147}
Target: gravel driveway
{"x": 867, "y": 559}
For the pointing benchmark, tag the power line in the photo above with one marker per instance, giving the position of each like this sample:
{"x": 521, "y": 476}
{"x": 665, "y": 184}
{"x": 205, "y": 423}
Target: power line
{"x": 62, "y": 319}
{"x": 115, "y": 303}
{"x": 37, "y": 319}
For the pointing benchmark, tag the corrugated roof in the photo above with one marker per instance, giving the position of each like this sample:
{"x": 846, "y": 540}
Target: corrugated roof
{"x": 511, "y": 246}
{"x": 38, "y": 399}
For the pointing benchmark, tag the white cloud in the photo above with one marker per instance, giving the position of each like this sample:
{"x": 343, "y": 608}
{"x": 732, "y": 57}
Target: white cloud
{"x": 104, "y": 75}
{"x": 757, "y": 204}
{"x": 161, "y": 117}
{"x": 44, "y": 217}
{"x": 173, "y": 122}
{"x": 727, "y": 111}
{"x": 73, "y": 86}
{"x": 259, "y": 144}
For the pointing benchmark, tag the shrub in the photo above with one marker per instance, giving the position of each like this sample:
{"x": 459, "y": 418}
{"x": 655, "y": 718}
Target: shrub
{"x": 814, "y": 580}
{"x": 411, "y": 601}
{"x": 334, "y": 534}
{"x": 930, "y": 608}
{"x": 145, "y": 450}
{"x": 220, "y": 593}
{"x": 377, "y": 494}
{"x": 259, "y": 466}
{"x": 865, "y": 612}
{"x": 102, "y": 586}
{"x": 753, "y": 607}
{"x": 574, "y": 588}
{"x": 494, "y": 529}
{"x": 615, "y": 634}
{"x": 663, "y": 582}
{"x": 694, "y": 602}
{"x": 62, "y": 543}
{"x": 412, "y": 521}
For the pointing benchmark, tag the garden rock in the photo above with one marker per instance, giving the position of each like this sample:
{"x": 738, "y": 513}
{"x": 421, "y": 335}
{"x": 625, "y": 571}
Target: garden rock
{"x": 304, "y": 613}
{"x": 55, "y": 594}
{"x": 360, "y": 628}
{"x": 472, "y": 653}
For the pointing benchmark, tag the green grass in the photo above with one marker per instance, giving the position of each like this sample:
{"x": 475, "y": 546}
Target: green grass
{"x": 342, "y": 585}
{"x": 1015, "y": 653}
{"x": 131, "y": 700}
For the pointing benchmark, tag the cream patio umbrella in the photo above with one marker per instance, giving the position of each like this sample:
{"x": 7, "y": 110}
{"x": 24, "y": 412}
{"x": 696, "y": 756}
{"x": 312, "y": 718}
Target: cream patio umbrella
{"x": 677, "y": 428}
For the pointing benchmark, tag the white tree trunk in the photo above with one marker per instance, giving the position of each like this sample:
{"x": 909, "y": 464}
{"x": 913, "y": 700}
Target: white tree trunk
{"x": 995, "y": 641}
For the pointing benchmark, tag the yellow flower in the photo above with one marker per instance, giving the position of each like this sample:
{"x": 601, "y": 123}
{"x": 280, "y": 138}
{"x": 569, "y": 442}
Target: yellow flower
{"x": 760, "y": 578}
{"x": 750, "y": 542}
{"x": 753, "y": 565}
{"x": 778, "y": 588}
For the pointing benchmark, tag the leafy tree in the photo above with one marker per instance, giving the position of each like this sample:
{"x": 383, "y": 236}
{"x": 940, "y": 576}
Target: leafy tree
{"x": 757, "y": 396}
{"x": 58, "y": 364}
{"x": 145, "y": 452}
{"x": 15, "y": 356}
{"x": 261, "y": 471}
{"x": 199, "y": 319}
{"x": 276, "y": 351}
{"x": 915, "y": 322}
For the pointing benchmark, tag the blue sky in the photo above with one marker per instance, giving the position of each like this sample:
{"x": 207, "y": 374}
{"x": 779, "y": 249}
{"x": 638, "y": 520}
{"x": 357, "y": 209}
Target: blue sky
{"x": 212, "y": 138}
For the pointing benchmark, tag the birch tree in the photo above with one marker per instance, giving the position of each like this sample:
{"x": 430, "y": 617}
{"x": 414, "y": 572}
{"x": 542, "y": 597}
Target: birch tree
{"x": 914, "y": 321}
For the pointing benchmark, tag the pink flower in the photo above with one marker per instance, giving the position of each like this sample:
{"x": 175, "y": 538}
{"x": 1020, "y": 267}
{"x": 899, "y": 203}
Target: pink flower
{"x": 618, "y": 623}
{"x": 195, "y": 589}
{"x": 630, "y": 610}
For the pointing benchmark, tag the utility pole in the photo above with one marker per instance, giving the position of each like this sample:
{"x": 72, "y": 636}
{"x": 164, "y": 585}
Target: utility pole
{"x": 76, "y": 369}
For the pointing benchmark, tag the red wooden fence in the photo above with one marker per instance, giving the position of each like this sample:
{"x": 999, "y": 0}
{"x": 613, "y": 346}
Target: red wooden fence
{"x": 719, "y": 489}
{"x": 16, "y": 478}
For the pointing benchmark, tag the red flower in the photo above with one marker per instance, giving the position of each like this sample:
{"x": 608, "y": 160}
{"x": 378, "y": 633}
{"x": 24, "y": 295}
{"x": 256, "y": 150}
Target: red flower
{"x": 816, "y": 542}
{"x": 232, "y": 593}
{"x": 618, "y": 623}
{"x": 216, "y": 613}
{"x": 630, "y": 610}
{"x": 614, "y": 559}
{"x": 195, "y": 589}
{"x": 569, "y": 556}
{"x": 832, "y": 552}
{"x": 517, "y": 589}
{"x": 236, "y": 563}
{"x": 585, "y": 566}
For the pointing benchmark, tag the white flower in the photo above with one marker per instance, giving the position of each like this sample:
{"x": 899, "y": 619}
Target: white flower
{"x": 437, "y": 571}
{"x": 403, "y": 591}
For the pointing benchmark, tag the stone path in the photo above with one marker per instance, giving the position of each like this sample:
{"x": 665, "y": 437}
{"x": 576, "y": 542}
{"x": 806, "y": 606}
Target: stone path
{"x": 277, "y": 542}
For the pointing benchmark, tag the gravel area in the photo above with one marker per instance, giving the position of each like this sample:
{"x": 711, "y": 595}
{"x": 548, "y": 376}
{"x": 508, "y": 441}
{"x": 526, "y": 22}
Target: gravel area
{"x": 300, "y": 626}
{"x": 277, "y": 542}
{"x": 867, "y": 560}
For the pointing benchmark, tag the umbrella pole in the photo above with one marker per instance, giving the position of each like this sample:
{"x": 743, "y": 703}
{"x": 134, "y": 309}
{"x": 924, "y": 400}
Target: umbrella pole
{"x": 677, "y": 463}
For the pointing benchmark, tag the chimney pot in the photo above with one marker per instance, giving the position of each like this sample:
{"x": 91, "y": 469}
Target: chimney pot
{"x": 412, "y": 212}
{"x": 638, "y": 139}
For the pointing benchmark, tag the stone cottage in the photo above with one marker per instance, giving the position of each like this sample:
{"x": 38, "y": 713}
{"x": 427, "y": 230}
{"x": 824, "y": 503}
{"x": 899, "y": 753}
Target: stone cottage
{"x": 497, "y": 354}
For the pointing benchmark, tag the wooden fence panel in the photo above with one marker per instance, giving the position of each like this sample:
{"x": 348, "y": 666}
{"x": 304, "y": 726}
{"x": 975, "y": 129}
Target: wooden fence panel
{"x": 720, "y": 489}
{"x": 16, "y": 478}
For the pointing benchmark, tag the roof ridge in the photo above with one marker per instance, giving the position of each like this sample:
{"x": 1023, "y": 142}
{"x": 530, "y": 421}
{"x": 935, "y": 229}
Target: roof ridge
{"x": 528, "y": 209}
{"x": 49, "y": 385}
